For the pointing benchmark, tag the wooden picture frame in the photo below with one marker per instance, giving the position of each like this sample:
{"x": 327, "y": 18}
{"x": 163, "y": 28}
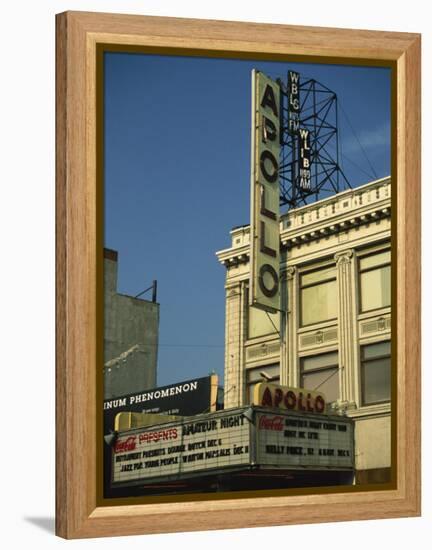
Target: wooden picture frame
{"x": 79, "y": 36}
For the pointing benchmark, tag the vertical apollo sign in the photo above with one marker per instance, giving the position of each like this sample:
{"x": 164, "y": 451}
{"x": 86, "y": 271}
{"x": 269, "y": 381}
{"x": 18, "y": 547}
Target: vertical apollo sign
{"x": 265, "y": 139}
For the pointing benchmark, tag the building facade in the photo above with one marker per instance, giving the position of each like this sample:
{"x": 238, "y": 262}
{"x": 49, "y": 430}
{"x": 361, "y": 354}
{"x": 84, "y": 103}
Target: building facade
{"x": 131, "y": 334}
{"x": 333, "y": 333}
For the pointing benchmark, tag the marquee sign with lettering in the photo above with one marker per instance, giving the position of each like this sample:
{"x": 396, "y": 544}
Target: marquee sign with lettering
{"x": 187, "y": 398}
{"x": 285, "y": 397}
{"x": 290, "y": 440}
{"x": 206, "y": 443}
{"x": 265, "y": 138}
{"x": 232, "y": 440}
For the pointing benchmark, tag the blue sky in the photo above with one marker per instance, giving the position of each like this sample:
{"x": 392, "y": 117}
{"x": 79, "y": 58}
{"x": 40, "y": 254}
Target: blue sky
{"x": 177, "y": 177}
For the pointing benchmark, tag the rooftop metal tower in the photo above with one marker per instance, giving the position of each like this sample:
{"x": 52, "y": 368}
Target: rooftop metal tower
{"x": 309, "y": 166}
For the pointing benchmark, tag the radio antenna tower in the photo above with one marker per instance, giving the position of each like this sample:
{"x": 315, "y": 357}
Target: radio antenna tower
{"x": 309, "y": 166}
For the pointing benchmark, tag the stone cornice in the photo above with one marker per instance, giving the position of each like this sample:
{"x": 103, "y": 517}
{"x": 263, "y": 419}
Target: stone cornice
{"x": 289, "y": 238}
{"x": 302, "y": 231}
{"x": 234, "y": 256}
{"x": 319, "y": 230}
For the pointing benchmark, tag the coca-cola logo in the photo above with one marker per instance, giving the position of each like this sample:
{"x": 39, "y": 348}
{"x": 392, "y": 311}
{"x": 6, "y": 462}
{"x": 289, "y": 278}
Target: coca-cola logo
{"x": 124, "y": 445}
{"x": 271, "y": 423}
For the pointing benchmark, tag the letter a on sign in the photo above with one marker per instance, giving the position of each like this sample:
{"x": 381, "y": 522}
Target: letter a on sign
{"x": 265, "y": 241}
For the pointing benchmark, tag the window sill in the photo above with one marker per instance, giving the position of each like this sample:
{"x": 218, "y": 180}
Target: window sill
{"x": 374, "y": 313}
{"x": 370, "y": 410}
{"x": 266, "y": 339}
{"x": 318, "y": 326}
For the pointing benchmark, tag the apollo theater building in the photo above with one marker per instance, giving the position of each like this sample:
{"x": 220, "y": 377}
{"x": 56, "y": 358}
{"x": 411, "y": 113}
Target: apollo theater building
{"x": 308, "y": 297}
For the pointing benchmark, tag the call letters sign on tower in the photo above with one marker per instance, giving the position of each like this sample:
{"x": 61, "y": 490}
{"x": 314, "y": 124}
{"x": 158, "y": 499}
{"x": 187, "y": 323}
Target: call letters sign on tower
{"x": 264, "y": 281}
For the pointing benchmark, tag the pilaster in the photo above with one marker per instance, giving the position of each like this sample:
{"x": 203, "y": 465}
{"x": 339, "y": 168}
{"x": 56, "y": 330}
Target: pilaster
{"x": 348, "y": 357}
{"x": 291, "y": 374}
{"x": 235, "y": 331}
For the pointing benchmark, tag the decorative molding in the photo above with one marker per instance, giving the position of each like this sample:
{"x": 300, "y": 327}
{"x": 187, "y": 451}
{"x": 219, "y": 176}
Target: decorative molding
{"x": 290, "y": 272}
{"x": 344, "y": 257}
{"x": 342, "y": 407}
{"x": 262, "y": 350}
{"x": 382, "y": 324}
{"x": 318, "y": 337}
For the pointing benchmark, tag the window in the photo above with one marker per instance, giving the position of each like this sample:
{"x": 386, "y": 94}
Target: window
{"x": 253, "y": 376}
{"x": 261, "y": 323}
{"x": 320, "y": 373}
{"x": 375, "y": 373}
{"x": 318, "y": 292}
{"x": 375, "y": 281}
